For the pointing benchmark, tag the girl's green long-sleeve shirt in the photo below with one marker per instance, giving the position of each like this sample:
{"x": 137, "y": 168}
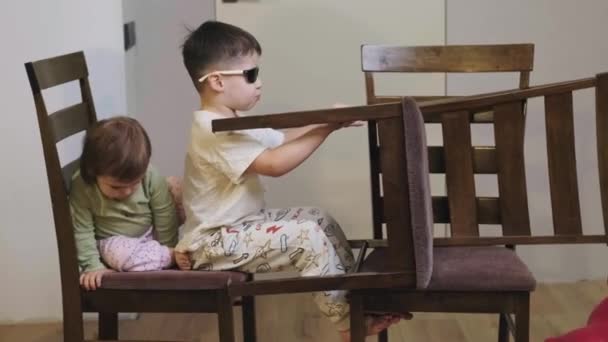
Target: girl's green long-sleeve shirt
{"x": 97, "y": 217}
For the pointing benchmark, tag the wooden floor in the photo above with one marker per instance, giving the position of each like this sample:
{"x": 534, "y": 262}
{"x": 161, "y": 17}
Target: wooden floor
{"x": 556, "y": 309}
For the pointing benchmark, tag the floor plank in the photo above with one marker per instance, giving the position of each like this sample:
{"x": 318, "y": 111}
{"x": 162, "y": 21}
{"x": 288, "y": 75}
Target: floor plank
{"x": 556, "y": 309}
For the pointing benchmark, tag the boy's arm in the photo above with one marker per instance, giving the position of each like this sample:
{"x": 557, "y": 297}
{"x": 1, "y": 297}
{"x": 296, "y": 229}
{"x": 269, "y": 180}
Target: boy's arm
{"x": 282, "y": 159}
{"x": 84, "y": 231}
{"x": 294, "y": 133}
{"x": 164, "y": 215}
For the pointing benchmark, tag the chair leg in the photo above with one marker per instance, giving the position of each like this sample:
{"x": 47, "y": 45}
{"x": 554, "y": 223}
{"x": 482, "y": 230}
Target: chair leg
{"x": 357, "y": 319}
{"x": 224, "y": 315}
{"x": 522, "y": 318}
{"x": 108, "y": 325}
{"x": 383, "y": 336}
{"x": 503, "y": 328}
{"x": 249, "y": 329}
{"x": 73, "y": 331}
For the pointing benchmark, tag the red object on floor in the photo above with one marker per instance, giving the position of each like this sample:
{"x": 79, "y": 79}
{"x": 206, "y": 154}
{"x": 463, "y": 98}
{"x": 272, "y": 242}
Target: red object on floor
{"x": 595, "y": 331}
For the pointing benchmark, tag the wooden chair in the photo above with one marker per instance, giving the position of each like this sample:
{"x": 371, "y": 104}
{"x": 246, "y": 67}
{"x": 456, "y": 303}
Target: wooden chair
{"x": 465, "y": 211}
{"x": 399, "y": 276}
{"x": 162, "y": 291}
{"x": 404, "y": 261}
{"x": 436, "y": 59}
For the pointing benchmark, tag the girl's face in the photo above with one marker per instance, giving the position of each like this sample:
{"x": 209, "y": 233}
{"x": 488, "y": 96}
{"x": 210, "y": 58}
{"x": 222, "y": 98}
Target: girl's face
{"x": 116, "y": 189}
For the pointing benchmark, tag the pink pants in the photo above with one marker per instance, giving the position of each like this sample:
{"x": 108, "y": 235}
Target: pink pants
{"x": 126, "y": 254}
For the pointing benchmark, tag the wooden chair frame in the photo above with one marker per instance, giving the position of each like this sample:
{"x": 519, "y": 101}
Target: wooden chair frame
{"x": 499, "y": 58}
{"x": 108, "y": 303}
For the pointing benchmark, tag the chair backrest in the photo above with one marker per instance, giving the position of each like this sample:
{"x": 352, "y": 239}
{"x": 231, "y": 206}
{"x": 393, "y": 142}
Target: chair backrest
{"x": 443, "y": 59}
{"x": 464, "y": 210}
{"x": 44, "y": 74}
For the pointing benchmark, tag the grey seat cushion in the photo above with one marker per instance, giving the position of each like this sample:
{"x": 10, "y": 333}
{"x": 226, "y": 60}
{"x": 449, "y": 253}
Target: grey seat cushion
{"x": 479, "y": 269}
{"x": 171, "y": 280}
{"x": 469, "y": 269}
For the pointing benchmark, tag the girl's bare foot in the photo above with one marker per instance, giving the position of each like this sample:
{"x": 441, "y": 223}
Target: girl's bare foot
{"x": 374, "y": 325}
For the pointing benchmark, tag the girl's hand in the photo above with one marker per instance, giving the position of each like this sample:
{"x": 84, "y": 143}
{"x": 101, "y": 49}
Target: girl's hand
{"x": 92, "y": 280}
{"x": 183, "y": 260}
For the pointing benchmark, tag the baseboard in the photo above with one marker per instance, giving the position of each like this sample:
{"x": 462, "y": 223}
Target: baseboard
{"x": 91, "y": 316}
{"x": 87, "y": 316}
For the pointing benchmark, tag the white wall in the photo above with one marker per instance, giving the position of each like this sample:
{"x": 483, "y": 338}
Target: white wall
{"x": 159, "y": 91}
{"x": 570, "y": 39}
{"x": 310, "y": 60}
{"x": 32, "y": 30}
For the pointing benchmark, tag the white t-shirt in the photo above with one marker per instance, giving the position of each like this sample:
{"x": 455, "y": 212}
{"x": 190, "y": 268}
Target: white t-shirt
{"x": 217, "y": 191}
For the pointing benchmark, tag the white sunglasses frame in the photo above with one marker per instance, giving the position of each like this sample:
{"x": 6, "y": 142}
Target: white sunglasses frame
{"x": 224, "y": 72}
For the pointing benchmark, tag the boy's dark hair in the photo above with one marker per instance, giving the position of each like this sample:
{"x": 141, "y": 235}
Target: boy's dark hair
{"x": 118, "y": 147}
{"x": 214, "y": 42}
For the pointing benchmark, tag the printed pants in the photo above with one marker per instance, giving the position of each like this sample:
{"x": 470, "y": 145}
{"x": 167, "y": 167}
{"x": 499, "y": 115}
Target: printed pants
{"x": 302, "y": 239}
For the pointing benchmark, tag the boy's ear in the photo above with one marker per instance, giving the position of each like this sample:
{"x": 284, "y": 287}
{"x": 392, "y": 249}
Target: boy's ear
{"x": 216, "y": 83}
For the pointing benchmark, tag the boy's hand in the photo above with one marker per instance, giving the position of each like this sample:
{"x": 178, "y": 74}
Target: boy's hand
{"x": 337, "y": 126}
{"x": 183, "y": 260}
{"x": 358, "y": 123}
{"x": 340, "y": 105}
{"x": 346, "y": 124}
{"x": 92, "y": 280}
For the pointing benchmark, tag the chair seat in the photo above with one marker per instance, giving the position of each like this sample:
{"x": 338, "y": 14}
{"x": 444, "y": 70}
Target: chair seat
{"x": 470, "y": 269}
{"x": 171, "y": 280}
{"x": 479, "y": 269}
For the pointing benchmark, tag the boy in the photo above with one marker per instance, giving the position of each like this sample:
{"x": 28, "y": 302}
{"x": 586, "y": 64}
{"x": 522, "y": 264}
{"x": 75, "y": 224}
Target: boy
{"x": 227, "y": 224}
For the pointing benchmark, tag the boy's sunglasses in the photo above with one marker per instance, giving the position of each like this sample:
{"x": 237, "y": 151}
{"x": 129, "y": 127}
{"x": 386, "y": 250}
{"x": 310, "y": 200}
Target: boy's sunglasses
{"x": 251, "y": 75}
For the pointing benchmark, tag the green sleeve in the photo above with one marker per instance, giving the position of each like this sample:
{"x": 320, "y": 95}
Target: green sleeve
{"x": 84, "y": 228}
{"x": 164, "y": 216}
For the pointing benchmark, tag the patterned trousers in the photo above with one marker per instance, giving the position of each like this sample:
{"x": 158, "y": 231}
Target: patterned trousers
{"x": 302, "y": 239}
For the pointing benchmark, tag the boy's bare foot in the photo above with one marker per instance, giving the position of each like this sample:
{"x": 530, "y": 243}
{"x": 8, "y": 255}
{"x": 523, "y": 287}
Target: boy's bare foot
{"x": 374, "y": 325}
{"x": 182, "y": 260}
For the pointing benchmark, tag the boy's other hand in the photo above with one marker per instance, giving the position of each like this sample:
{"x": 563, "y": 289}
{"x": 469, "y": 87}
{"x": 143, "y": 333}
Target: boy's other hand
{"x": 92, "y": 280}
{"x": 183, "y": 261}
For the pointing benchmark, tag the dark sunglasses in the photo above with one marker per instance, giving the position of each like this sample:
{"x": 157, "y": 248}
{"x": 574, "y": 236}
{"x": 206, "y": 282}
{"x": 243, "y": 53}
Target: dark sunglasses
{"x": 251, "y": 75}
